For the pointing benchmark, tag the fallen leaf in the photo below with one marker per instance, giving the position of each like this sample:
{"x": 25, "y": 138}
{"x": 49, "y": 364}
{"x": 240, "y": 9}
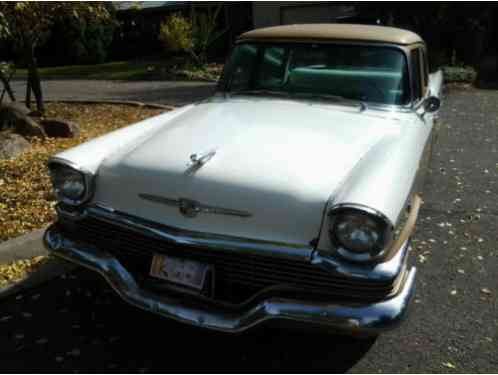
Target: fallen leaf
{"x": 26, "y": 199}
{"x": 449, "y": 365}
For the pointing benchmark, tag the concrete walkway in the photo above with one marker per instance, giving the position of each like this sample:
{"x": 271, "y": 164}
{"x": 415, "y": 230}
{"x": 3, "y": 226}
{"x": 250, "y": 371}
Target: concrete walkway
{"x": 163, "y": 92}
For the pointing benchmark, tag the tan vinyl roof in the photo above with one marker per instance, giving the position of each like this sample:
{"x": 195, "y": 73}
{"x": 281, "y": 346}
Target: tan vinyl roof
{"x": 334, "y": 32}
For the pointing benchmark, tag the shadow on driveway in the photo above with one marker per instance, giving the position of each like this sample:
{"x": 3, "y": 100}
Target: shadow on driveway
{"x": 76, "y": 324}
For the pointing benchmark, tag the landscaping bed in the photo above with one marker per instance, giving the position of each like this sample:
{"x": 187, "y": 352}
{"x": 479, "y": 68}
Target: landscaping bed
{"x": 16, "y": 271}
{"x": 26, "y": 200}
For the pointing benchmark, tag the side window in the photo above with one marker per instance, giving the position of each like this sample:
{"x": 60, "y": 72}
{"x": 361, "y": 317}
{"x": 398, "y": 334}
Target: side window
{"x": 244, "y": 61}
{"x": 416, "y": 73}
{"x": 272, "y": 69}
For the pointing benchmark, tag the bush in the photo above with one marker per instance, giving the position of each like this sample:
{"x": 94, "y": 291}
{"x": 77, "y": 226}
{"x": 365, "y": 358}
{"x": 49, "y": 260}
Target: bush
{"x": 193, "y": 36}
{"x": 456, "y": 74}
{"x": 77, "y": 41}
{"x": 176, "y": 34}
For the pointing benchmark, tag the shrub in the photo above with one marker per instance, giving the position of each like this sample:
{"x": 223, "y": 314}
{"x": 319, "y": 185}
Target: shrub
{"x": 176, "y": 34}
{"x": 193, "y": 36}
{"x": 459, "y": 74}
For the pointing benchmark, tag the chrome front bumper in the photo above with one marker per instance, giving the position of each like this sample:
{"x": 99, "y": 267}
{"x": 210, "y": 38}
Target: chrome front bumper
{"x": 370, "y": 319}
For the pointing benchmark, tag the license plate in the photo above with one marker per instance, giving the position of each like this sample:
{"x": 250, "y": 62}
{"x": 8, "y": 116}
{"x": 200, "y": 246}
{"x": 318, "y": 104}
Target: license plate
{"x": 179, "y": 271}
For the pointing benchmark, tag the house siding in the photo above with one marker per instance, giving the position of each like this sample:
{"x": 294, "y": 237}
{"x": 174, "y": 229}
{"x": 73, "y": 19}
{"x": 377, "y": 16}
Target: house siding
{"x": 270, "y": 13}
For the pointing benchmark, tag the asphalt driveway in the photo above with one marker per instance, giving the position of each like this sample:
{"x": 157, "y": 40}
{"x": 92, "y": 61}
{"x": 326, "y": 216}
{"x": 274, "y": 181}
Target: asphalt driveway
{"x": 176, "y": 93}
{"x": 77, "y": 324}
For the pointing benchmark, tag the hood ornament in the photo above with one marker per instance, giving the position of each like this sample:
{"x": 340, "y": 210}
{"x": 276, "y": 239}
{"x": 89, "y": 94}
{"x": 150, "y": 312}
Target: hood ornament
{"x": 198, "y": 160}
{"x": 191, "y": 209}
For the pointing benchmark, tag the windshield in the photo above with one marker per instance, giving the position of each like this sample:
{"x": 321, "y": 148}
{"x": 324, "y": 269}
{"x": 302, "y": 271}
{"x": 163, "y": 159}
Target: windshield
{"x": 371, "y": 74}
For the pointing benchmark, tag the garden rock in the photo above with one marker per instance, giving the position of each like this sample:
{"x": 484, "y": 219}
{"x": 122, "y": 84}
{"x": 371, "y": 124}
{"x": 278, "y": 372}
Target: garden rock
{"x": 60, "y": 128}
{"x": 12, "y": 145}
{"x": 15, "y": 116}
{"x": 18, "y": 107}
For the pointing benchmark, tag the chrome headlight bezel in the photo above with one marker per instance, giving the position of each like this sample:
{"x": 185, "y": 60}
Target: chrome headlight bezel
{"x": 58, "y": 167}
{"x": 363, "y": 217}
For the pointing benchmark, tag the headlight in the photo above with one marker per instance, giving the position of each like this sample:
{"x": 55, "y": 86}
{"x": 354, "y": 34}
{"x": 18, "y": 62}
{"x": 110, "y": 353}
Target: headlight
{"x": 359, "y": 235}
{"x": 69, "y": 184}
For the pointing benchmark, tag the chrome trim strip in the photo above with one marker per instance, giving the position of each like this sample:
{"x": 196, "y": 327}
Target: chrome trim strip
{"x": 190, "y": 208}
{"x": 372, "y": 318}
{"x": 382, "y": 272}
{"x": 209, "y": 241}
{"x": 88, "y": 176}
{"x": 360, "y": 207}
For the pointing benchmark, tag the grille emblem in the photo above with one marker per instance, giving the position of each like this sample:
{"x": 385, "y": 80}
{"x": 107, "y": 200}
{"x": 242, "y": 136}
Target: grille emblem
{"x": 191, "y": 209}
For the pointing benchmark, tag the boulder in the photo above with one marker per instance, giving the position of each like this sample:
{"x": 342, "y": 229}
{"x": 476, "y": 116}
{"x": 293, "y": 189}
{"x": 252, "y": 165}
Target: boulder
{"x": 18, "y": 107}
{"x": 16, "y": 117}
{"x": 60, "y": 128}
{"x": 12, "y": 145}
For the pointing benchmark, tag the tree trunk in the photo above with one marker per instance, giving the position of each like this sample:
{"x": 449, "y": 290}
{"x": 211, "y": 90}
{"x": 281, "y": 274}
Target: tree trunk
{"x": 8, "y": 89}
{"x": 28, "y": 93}
{"x": 34, "y": 79}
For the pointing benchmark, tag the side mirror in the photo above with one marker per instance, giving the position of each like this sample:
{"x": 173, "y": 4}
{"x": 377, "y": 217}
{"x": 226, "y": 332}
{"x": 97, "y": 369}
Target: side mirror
{"x": 432, "y": 104}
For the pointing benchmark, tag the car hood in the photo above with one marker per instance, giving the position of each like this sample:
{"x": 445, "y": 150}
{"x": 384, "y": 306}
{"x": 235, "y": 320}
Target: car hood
{"x": 277, "y": 163}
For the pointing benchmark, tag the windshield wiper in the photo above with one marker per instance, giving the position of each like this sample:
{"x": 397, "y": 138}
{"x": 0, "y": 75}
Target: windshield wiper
{"x": 363, "y": 106}
{"x": 337, "y": 98}
{"x": 259, "y": 92}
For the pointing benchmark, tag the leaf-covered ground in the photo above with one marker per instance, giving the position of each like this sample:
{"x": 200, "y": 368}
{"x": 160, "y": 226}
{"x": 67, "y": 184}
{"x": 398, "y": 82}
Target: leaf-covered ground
{"x": 16, "y": 271}
{"x": 26, "y": 198}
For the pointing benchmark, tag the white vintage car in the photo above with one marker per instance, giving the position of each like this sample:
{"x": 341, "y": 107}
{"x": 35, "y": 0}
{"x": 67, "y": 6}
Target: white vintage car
{"x": 290, "y": 195}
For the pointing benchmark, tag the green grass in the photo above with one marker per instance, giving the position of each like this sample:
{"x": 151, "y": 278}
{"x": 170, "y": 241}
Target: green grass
{"x": 122, "y": 70}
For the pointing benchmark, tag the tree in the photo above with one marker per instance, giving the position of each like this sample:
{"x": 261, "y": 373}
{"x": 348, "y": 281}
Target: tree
{"x": 78, "y": 42}
{"x": 176, "y": 34}
{"x": 6, "y": 72}
{"x": 28, "y": 24}
{"x": 442, "y": 24}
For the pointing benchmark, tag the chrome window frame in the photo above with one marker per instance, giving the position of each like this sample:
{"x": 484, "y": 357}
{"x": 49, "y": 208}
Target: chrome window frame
{"x": 223, "y": 83}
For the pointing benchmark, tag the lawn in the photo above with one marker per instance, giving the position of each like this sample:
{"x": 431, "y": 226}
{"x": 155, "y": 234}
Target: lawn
{"x": 168, "y": 69}
{"x": 26, "y": 200}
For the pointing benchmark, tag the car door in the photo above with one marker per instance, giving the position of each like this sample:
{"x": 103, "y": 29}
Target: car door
{"x": 421, "y": 91}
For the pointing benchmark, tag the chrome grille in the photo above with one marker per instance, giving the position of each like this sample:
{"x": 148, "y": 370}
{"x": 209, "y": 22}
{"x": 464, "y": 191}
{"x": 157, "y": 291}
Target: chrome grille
{"x": 232, "y": 270}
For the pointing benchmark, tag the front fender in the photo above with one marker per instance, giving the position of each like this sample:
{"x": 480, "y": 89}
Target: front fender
{"x": 89, "y": 155}
{"x": 384, "y": 178}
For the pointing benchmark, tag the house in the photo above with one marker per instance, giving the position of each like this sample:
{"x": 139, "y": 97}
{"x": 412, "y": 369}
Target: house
{"x": 274, "y": 13}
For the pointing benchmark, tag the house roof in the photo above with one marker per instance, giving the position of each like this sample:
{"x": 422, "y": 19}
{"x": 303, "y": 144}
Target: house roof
{"x": 147, "y": 5}
{"x": 367, "y": 33}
